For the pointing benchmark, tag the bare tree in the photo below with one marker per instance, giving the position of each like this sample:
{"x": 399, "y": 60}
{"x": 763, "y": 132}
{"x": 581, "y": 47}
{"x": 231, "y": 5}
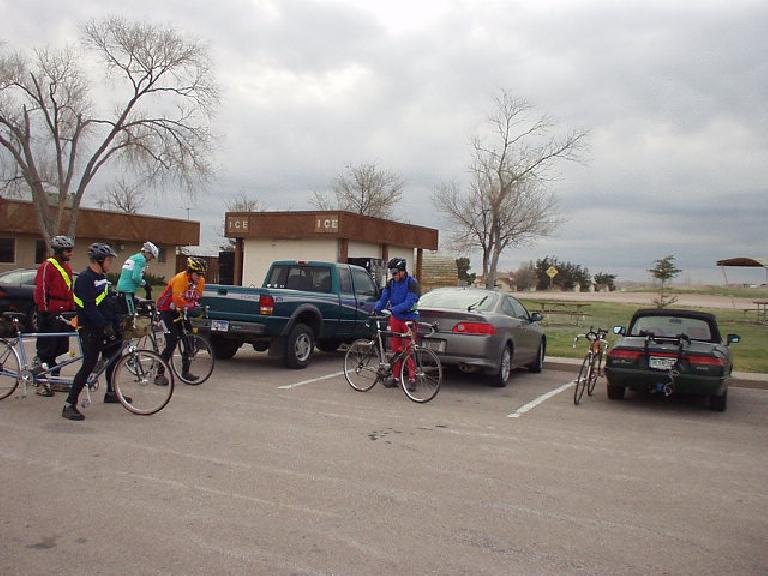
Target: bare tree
{"x": 244, "y": 203}
{"x": 240, "y": 203}
{"x": 123, "y": 196}
{"x": 364, "y": 189}
{"x": 56, "y": 142}
{"x": 510, "y": 171}
{"x": 471, "y": 215}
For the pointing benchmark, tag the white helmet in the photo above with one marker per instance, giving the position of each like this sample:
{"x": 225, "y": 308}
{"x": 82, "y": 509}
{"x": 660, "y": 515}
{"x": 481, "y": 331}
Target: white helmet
{"x": 151, "y": 248}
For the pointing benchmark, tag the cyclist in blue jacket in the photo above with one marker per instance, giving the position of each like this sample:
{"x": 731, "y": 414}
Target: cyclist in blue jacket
{"x": 401, "y": 294}
{"x": 99, "y": 324}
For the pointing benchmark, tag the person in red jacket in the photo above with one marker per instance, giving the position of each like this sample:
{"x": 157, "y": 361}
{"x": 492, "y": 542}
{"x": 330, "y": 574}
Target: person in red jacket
{"x": 53, "y": 295}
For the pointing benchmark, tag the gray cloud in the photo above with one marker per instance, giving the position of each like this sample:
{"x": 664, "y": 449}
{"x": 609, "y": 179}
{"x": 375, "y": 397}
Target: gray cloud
{"x": 673, "y": 93}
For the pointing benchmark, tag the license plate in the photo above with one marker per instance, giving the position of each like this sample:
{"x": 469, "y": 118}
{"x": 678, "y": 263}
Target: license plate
{"x": 435, "y": 345}
{"x": 219, "y": 325}
{"x": 662, "y": 362}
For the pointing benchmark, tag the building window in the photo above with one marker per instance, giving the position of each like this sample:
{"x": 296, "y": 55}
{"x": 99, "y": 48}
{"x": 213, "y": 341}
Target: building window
{"x": 40, "y": 251}
{"x": 7, "y": 249}
{"x": 161, "y": 254}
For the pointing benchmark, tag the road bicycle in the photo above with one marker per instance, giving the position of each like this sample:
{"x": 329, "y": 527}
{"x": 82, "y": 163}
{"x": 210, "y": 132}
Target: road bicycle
{"x": 592, "y": 366}
{"x": 367, "y": 363}
{"x": 191, "y": 347}
{"x": 133, "y": 376}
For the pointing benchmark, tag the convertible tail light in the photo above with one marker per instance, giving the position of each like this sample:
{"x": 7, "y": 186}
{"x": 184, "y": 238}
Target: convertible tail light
{"x": 625, "y": 355}
{"x": 266, "y": 305}
{"x": 474, "y": 328}
{"x": 699, "y": 360}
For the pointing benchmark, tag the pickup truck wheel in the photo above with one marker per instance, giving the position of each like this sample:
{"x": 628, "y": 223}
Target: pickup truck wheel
{"x": 224, "y": 348}
{"x": 299, "y": 346}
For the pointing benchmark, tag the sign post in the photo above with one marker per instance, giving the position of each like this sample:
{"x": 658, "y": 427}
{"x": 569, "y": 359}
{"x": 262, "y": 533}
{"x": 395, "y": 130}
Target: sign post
{"x": 552, "y": 272}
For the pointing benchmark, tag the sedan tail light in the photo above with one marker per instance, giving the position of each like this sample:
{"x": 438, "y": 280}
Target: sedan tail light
{"x": 625, "y": 355}
{"x": 697, "y": 360}
{"x": 266, "y": 305}
{"x": 474, "y": 328}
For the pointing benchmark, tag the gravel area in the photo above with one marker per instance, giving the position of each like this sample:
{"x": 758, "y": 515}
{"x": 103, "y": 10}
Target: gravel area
{"x": 684, "y": 300}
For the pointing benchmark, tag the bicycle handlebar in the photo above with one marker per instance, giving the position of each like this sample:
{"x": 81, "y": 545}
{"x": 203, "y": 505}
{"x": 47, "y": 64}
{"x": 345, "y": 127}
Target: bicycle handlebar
{"x": 592, "y": 335}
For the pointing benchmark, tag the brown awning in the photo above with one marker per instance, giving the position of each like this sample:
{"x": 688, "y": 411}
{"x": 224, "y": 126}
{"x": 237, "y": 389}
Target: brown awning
{"x": 19, "y": 217}
{"x": 752, "y": 262}
{"x": 333, "y": 224}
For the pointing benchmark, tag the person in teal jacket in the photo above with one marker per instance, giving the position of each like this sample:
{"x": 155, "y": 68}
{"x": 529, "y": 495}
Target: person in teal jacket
{"x": 132, "y": 276}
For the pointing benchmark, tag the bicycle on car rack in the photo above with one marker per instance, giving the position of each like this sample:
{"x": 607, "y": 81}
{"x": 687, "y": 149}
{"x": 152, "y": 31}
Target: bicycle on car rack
{"x": 132, "y": 378}
{"x": 367, "y": 363}
{"x": 592, "y": 365}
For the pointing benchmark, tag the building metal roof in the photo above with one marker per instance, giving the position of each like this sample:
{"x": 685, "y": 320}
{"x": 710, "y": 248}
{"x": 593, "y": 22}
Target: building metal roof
{"x": 752, "y": 262}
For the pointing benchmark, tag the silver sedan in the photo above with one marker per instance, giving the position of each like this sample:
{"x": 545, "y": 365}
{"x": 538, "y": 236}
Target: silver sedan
{"x": 483, "y": 331}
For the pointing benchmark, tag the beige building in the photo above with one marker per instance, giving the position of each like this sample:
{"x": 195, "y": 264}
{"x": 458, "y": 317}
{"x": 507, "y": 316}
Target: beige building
{"x": 262, "y": 237}
{"x": 21, "y": 244}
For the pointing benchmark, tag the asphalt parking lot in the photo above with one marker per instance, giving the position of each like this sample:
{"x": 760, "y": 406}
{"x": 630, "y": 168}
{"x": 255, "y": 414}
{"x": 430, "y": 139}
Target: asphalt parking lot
{"x": 264, "y": 470}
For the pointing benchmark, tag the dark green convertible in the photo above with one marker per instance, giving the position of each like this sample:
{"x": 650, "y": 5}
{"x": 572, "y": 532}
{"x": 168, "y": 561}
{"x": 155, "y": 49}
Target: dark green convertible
{"x": 672, "y": 352}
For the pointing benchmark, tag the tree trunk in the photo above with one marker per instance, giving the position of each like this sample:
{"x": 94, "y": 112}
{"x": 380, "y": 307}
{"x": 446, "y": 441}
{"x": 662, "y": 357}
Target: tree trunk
{"x": 490, "y": 282}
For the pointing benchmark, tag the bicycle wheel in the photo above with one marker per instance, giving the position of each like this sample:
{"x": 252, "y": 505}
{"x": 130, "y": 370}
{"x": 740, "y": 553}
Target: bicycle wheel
{"x": 594, "y": 372}
{"x": 583, "y": 378}
{"x": 9, "y": 369}
{"x": 361, "y": 365}
{"x": 134, "y": 380}
{"x": 421, "y": 375}
{"x": 197, "y": 352}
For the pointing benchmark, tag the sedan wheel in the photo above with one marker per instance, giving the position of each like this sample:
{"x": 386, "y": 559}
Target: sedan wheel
{"x": 32, "y": 319}
{"x": 505, "y": 367}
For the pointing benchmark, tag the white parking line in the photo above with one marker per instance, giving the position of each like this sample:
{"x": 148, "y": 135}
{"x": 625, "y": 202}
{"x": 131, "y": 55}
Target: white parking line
{"x": 304, "y": 382}
{"x": 536, "y": 401}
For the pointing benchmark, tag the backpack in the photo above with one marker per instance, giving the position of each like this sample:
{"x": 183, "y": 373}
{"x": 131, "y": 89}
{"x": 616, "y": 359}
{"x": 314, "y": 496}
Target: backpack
{"x": 413, "y": 285}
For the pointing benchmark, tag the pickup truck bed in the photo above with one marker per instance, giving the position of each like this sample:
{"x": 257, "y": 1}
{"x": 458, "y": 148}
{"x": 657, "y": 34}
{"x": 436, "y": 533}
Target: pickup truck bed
{"x": 302, "y": 305}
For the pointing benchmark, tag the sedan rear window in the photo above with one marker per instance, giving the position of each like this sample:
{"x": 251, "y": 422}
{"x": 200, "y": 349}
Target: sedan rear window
{"x": 671, "y": 326}
{"x": 458, "y": 300}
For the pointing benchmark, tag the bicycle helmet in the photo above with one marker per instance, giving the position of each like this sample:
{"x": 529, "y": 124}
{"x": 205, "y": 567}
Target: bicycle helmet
{"x": 61, "y": 243}
{"x": 396, "y": 264}
{"x": 98, "y": 252}
{"x": 196, "y": 265}
{"x": 151, "y": 249}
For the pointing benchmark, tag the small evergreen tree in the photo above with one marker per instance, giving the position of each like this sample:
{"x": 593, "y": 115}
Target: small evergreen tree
{"x": 664, "y": 270}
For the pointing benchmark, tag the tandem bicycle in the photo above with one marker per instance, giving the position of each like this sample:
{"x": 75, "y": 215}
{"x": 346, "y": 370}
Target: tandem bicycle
{"x": 132, "y": 378}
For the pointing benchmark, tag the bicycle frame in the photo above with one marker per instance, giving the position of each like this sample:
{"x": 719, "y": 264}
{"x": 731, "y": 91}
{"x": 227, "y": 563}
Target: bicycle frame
{"x": 385, "y": 360}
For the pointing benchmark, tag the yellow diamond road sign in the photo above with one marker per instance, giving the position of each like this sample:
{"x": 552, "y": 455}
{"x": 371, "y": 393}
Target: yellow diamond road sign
{"x": 552, "y": 271}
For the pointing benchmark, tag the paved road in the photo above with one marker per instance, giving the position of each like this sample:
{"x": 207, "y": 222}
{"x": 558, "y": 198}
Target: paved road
{"x": 241, "y": 476}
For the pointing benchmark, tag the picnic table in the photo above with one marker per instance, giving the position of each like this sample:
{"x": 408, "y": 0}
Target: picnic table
{"x": 574, "y": 310}
{"x": 762, "y": 309}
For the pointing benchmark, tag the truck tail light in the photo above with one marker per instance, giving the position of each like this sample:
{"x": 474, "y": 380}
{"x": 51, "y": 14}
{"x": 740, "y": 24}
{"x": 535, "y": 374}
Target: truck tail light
{"x": 266, "y": 305}
{"x": 474, "y": 328}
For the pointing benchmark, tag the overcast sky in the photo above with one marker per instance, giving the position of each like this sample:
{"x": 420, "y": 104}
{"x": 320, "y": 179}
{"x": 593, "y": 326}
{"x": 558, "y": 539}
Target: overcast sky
{"x": 674, "y": 95}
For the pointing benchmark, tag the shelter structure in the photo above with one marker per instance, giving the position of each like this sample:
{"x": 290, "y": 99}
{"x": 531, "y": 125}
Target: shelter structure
{"x": 746, "y": 262}
{"x": 336, "y": 236}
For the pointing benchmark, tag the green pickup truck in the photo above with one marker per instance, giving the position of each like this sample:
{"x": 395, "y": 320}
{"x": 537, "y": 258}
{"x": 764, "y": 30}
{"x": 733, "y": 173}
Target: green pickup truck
{"x": 300, "y": 305}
